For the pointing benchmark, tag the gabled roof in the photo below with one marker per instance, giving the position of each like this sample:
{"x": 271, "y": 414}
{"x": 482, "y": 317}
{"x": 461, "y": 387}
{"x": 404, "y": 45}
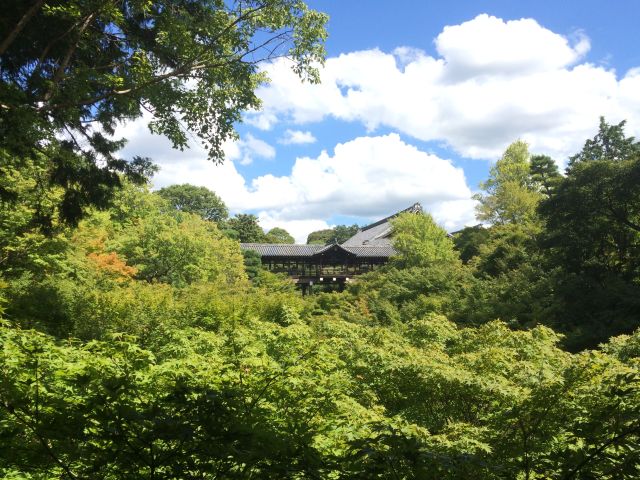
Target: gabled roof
{"x": 372, "y": 251}
{"x": 310, "y": 251}
{"x": 372, "y": 241}
{"x": 378, "y": 233}
{"x": 283, "y": 250}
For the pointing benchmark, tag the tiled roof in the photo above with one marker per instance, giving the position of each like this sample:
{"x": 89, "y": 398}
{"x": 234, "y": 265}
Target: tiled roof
{"x": 283, "y": 250}
{"x": 372, "y": 241}
{"x": 373, "y": 251}
{"x": 278, "y": 250}
{"x": 378, "y": 233}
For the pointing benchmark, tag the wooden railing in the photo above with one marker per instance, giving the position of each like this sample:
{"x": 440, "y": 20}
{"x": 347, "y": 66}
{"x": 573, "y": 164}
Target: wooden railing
{"x": 322, "y": 270}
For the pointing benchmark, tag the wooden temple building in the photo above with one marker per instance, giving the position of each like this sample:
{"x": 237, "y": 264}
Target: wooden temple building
{"x": 334, "y": 264}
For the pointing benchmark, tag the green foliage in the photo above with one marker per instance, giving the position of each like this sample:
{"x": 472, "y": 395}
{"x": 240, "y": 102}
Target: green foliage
{"x": 90, "y": 286}
{"x": 510, "y": 196}
{"x": 198, "y": 200}
{"x": 609, "y": 143}
{"x": 236, "y": 403}
{"x": 247, "y": 228}
{"x": 75, "y": 69}
{"x": 594, "y": 218}
{"x": 469, "y": 240}
{"x": 181, "y": 250}
{"x": 25, "y": 201}
{"x": 252, "y": 263}
{"x": 593, "y": 230}
{"x": 338, "y": 234}
{"x": 401, "y": 294}
{"x": 545, "y": 175}
{"x": 321, "y": 237}
{"x": 280, "y": 397}
{"x": 278, "y": 235}
{"x": 419, "y": 241}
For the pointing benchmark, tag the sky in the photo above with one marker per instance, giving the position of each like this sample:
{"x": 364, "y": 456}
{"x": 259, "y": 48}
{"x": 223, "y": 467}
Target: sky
{"x": 417, "y": 99}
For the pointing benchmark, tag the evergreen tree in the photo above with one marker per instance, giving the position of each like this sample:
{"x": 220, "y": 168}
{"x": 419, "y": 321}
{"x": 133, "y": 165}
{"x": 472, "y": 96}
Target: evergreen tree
{"x": 198, "y": 200}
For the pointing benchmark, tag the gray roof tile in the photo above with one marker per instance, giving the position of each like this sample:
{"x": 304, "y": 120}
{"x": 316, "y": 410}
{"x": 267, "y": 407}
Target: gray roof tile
{"x": 372, "y": 251}
{"x": 372, "y": 241}
{"x": 283, "y": 250}
{"x": 378, "y": 233}
{"x": 279, "y": 250}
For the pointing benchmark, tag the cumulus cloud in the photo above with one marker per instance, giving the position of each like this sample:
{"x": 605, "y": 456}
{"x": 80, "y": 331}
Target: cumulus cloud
{"x": 188, "y": 166}
{"x": 368, "y": 177}
{"x": 250, "y": 147}
{"x": 489, "y": 45}
{"x": 299, "y": 229}
{"x": 297, "y": 137}
{"x": 492, "y": 82}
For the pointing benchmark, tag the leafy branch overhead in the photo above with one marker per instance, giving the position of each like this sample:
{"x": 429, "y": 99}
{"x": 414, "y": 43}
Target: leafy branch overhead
{"x": 74, "y": 70}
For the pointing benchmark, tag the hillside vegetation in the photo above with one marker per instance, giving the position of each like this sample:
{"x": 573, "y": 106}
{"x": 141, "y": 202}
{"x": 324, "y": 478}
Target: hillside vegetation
{"x": 135, "y": 346}
{"x": 138, "y": 342}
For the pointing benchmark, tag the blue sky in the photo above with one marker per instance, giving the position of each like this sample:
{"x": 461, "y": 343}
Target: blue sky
{"x": 417, "y": 99}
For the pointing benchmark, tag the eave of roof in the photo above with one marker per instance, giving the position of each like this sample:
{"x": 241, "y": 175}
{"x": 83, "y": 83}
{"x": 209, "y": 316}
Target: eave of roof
{"x": 284, "y": 250}
{"x": 416, "y": 207}
{"x": 310, "y": 251}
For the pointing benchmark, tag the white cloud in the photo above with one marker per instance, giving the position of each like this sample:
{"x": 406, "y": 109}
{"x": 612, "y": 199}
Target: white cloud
{"x": 494, "y": 81}
{"x": 264, "y": 121}
{"x": 188, "y": 166}
{"x": 489, "y": 45}
{"x": 250, "y": 147}
{"x": 297, "y": 137}
{"x": 368, "y": 177}
{"x": 299, "y": 229}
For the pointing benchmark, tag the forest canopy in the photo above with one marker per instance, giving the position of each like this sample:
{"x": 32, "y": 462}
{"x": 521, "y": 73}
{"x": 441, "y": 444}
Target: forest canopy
{"x": 142, "y": 344}
{"x": 71, "y": 70}
{"x": 138, "y": 341}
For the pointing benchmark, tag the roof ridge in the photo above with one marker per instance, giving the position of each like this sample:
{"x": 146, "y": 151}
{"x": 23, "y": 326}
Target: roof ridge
{"x": 416, "y": 207}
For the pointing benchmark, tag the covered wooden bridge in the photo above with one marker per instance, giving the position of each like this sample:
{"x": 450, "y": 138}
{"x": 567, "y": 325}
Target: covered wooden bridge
{"x": 335, "y": 264}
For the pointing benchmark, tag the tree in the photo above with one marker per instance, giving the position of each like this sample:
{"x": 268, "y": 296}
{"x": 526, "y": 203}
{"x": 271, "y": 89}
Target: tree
{"x": 544, "y": 174}
{"x": 419, "y": 241}
{"x": 278, "y": 235}
{"x": 342, "y": 233}
{"x": 593, "y": 219}
{"x": 338, "y": 234}
{"x": 181, "y": 250}
{"x": 247, "y": 228}
{"x": 593, "y": 230}
{"x": 252, "y": 263}
{"x": 469, "y": 240}
{"x": 75, "y": 69}
{"x": 198, "y": 200}
{"x": 509, "y": 196}
{"x": 320, "y": 237}
{"x": 609, "y": 143}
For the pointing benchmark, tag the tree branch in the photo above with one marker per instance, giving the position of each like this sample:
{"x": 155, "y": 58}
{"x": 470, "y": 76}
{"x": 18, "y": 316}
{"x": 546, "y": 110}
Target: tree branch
{"x": 20, "y": 25}
{"x": 622, "y": 219}
{"x": 573, "y": 472}
{"x": 241, "y": 17}
{"x": 58, "y": 76}
{"x": 43, "y": 442}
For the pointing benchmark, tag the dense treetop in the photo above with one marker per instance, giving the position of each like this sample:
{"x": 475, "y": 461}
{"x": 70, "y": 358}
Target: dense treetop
{"x": 71, "y": 70}
{"x": 278, "y": 235}
{"x": 137, "y": 341}
{"x": 198, "y": 200}
{"x": 337, "y": 234}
